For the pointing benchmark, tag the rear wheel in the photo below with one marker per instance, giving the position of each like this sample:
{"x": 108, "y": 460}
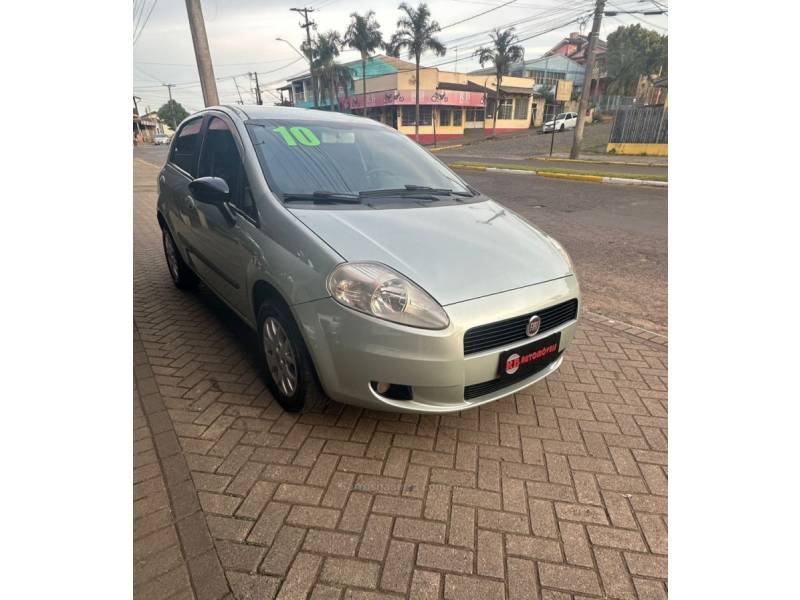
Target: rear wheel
{"x": 290, "y": 372}
{"x": 182, "y": 275}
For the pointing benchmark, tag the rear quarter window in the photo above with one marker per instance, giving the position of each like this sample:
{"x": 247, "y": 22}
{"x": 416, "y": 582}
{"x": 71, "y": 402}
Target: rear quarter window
{"x": 185, "y": 146}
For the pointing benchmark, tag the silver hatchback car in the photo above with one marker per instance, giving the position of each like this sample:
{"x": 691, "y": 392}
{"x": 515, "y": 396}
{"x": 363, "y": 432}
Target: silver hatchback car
{"x": 371, "y": 272}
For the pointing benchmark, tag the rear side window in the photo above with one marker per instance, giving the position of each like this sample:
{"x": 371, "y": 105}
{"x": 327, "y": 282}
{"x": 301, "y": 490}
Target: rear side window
{"x": 185, "y": 146}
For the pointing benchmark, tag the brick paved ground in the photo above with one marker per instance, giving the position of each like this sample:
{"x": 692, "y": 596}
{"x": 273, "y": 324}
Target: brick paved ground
{"x": 559, "y": 492}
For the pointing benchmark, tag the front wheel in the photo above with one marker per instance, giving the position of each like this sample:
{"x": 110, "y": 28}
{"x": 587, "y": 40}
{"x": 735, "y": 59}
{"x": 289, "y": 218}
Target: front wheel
{"x": 290, "y": 374}
{"x": 562, "y": 128}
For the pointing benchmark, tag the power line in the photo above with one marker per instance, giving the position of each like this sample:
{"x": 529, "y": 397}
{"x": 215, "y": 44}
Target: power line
{"x": 480, "y": 14}
{"x": 147, "y": 19}
{"x": 548, "y": 13}
{"x": 241, "y": 64}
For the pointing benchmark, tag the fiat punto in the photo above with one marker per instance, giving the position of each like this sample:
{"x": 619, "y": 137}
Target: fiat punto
{"x": 371, "y": 273}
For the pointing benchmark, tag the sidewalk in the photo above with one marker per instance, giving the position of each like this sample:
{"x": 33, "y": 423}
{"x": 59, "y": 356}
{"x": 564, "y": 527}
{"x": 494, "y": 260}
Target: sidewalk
{"x": 559, "y": 491}
{"x": 532, "y": 145}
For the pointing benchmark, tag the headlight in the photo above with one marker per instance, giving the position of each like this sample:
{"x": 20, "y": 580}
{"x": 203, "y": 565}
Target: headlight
{"x": 377, "y": 290}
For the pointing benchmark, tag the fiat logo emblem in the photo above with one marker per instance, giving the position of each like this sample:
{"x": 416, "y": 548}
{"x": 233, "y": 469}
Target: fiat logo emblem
{"x": 533, "y": 325}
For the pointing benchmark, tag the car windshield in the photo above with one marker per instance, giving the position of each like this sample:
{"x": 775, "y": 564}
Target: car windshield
{"x": 314, "y": 158}
{"x": 561, "y": 116}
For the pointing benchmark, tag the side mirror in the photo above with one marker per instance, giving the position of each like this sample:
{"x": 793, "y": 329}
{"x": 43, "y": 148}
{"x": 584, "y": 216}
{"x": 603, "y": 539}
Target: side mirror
{"x": 211, "y": 190}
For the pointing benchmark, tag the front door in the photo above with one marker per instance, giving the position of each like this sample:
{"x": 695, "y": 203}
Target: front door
{"x": 223, "y": 245}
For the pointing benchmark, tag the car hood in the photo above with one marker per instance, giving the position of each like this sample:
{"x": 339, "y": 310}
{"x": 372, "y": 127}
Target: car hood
{"x": 455, "y": 252}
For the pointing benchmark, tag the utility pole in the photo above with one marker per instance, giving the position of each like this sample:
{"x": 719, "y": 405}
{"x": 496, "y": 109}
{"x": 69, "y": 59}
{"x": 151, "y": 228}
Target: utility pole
{"x": 169, "y": 87}
{"x": 258, "y": 89}
{"x": 237, "y": 91}
{"x": 307, "y": 26}
{"x": 587, "y": 80}
{"x": 136, "y": 116}
{"x": 202, "y": 53}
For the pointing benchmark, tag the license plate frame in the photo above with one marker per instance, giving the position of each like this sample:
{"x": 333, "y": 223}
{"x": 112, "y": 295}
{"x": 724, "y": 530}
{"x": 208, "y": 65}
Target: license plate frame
{"x": 521, "y": 362}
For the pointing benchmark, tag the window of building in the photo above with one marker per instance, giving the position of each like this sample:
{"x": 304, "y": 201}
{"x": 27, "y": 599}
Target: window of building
{"x": 425, "y": 114}
{"x": 457, "y": 114}
{"x": 220, "y": 158}
{"x": 521, "y": 107}
{"x": 299, "y": 96}
{"x": 490, "y": 107}
{"x": 506, "y": 108}
{"x": 185, "y": 146}
{"x": 548, "y": 78}
{"x": 445, "y": 117}
{"x": 474, "y": 115}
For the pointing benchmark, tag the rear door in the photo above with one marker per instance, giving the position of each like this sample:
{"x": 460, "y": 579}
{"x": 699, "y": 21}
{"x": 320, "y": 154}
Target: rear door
{"x": 222, "y": 246}
{"x": 175, "y": 177}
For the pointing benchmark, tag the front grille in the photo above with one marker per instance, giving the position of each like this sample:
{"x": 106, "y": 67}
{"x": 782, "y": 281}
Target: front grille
{"x": 515, "y": 329}
{"x": 487, "y": 387}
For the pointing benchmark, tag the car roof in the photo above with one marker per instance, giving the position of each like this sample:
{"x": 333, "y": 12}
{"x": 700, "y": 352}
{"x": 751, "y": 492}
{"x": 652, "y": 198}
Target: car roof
{"x": 254, "y": 112}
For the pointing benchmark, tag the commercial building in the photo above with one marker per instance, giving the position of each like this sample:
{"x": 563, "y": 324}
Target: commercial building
{"x": 450, "y": 102}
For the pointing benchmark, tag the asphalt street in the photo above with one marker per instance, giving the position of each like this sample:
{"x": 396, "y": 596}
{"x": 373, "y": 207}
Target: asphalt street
{"x": 615, "y": 234}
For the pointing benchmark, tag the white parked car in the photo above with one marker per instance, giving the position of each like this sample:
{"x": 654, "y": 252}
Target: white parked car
{"x": 161, "y": 138}
{"x": 563, "y": 121}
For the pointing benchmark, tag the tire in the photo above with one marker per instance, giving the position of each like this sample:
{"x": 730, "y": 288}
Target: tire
{"x": 562, "y": 127}
{"x": 182, "y": 275}
{"x": 295, "y": 386}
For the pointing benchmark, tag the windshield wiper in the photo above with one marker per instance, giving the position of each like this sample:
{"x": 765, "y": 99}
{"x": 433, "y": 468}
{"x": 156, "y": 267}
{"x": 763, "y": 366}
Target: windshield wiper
{"x": 324, "y": 198}
{"x": 411, "y": 190}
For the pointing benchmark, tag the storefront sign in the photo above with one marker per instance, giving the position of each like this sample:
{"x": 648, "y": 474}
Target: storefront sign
{"x": 406, "y": 97}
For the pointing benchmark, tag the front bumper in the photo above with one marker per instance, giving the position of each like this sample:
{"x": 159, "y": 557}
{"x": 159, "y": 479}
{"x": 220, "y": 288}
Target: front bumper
{"x": 351, "y": 349}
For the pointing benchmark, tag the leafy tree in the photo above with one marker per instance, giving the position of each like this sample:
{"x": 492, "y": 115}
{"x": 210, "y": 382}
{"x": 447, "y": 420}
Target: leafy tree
{"x": 325, "y": 48}
{"x": 634, "y": 51}
{"x": 415, "y": 32}
{"x": 364, "y": 34}
{"x": 503, "y": 52}
{"x": 172, "y": 113}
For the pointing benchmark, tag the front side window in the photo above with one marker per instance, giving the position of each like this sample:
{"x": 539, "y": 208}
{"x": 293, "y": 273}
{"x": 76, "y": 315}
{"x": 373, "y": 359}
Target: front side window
{"x": 184, "y": 149}
{"x": 308, "y": 156}
{"x": 220, "y": 158}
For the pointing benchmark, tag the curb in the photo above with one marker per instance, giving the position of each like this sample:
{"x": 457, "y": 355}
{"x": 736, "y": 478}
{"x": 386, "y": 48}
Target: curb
{"x": 598, "y": 162}
{"x": 440, "y": 148}
{"x": 198, "y": 552}
{"x": 558, "y": 175}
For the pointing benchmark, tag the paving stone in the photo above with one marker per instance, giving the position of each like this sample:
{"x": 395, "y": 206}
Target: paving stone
{"x": 556, "y": 493}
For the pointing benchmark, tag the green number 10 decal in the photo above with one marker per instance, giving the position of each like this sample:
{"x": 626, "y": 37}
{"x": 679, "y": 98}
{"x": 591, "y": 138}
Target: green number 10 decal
{"x": 297, "y": 134}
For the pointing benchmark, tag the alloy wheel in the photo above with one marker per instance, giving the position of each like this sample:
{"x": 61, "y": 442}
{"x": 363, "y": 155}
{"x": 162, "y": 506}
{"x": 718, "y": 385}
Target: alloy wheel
{"x": 280, "y": 354}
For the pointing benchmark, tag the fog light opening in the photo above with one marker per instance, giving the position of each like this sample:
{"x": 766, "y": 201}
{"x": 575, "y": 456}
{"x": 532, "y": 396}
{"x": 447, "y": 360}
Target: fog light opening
{"x": 392, "y": 391}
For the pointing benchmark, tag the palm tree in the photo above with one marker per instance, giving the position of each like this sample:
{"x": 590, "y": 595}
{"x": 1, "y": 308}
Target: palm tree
{"x": 415, "y": 31}
{"x": 325, "y": 49}
{"x": 363, "y": 34}
{"x": 503, "y": 52}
